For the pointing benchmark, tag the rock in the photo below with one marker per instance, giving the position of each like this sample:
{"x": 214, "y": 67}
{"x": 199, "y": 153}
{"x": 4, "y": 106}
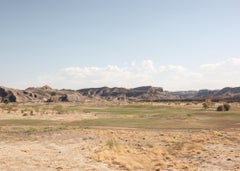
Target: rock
{"x": 145, "y": 93}
{"x": 116, "y": 94}
{"x": 39, "y": 94}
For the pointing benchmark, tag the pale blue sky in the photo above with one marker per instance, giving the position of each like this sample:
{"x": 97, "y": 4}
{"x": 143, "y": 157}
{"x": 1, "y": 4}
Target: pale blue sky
{"x": 39, "y": 38}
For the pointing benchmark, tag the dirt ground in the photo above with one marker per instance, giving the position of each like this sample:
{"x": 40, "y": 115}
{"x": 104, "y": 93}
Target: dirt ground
{"x": 115, "y": 148}
{"x": 121, "y": 149}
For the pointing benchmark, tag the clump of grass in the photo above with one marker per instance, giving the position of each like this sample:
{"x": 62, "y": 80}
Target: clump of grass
{"x": 59, "y": 109}
{"x": 86, "y": 111}
{"x": 9, "y": 107}
{"x": 6, "y": 101}
{"x": 27, "y": 111}
{"x": 178, "y": 145}
{"x": 177, "y": 103}
{"x": 111, "y": 143}
{"x": 31, "y": 112}
{"x": 207, "y": 104}
{"x": 149, "y": 145}
{"x": 195, "y": 102}
{"x": 37, "y": 109}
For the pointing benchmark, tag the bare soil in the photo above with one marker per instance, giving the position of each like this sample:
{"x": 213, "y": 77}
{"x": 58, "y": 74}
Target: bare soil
{"x": 115, "y": 148}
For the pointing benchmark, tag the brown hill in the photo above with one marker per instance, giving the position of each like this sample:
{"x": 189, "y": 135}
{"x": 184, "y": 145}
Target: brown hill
{"x": 145, "y": 93}
{"x": 227, "y": 93}
{"x": 40, "y": 94}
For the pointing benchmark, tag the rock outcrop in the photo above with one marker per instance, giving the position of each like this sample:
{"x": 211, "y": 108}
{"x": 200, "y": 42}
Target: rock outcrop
{"x": 146, "y": 93}
{"x": 7, "y": 95}
{"x": 40, "y": 94}
{"x": 227, "y": 93}
{"x": 185, "y": 94}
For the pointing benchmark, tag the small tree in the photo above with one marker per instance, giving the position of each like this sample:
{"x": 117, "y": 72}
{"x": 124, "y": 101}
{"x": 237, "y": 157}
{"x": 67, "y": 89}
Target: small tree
{"x": 207, "y": 103}
{"x": 226, "y": 106}
{"x": 220, "y": 108}
{"x": 5, "y": 101}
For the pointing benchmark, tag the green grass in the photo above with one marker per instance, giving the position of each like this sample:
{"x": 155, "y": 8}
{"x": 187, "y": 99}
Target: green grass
{"x": 130, "y": 116}
{"x": 146, "y": 116}
{"x": 140, "y": 110}
{"x": 111, "y": 143}
{"x": 26, "y": 122}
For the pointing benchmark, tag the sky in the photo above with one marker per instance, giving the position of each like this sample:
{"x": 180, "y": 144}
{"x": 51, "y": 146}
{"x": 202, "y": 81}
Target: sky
{"x": 74, "y": 44}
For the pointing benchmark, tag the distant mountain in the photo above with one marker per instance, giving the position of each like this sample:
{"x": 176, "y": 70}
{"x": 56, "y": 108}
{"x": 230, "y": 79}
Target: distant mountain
{"x": 40, "y": 94}
{"x": 185, "y": 94}
{"x": 145, "y": 93}
{"x": 227, "y": 93}
{"x": 205, "y": 93}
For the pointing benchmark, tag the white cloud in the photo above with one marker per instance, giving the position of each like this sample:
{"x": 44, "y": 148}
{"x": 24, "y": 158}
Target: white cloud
{"x": 147, "y": 66}
{"x": 226, "y": 65}
{"x": 170, "y": 77}
{"x": 223, "y": 73}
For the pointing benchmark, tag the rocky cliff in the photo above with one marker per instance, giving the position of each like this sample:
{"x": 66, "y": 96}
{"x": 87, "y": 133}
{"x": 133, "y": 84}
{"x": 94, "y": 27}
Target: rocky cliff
{"x": 40, "y": 94}
{"x": 227, "y": 93}
{"x": 145, "y": 93}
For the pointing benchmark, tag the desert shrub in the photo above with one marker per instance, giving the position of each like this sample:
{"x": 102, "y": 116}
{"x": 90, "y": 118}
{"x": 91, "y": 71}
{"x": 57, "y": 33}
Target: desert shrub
{"x": 31, "y": 112}
{"x": 226, "y": 107}
{"x": 9, "y": 108}
{"x": 37, "y": 109}
{"x": 220, "y": 108}
{"x": 23, "y": 110}
{"x": 207, "y": 103}
{"x": 5, "y": 101}
{"x": 177, "y": 103}
{"x": 59, "y": 109}
{"x": 195, "y": 102}
{"x": 111, "y": 143}
{"x": 178, "y": 145}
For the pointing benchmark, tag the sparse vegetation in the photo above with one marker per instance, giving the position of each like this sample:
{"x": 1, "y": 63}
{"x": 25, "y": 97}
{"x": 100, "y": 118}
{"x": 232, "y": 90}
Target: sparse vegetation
{"x": 111, "y": 143}
{"x": 224, "y": 107}
{"x": 10, "y": 107}
{"x": 5, "y": 101}
{"x": 178, "y": 145}
{"x": 134, "y": 115}
{"x": 59, "y": 109}
{"x": 220, "y": 108}
{"x": 207, "y": 104}
{"x": 123, "y": 135}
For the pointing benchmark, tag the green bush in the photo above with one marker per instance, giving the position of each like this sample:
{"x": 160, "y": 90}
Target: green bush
{"x": 220, "y": 108}
{"x": 224, "y": 107}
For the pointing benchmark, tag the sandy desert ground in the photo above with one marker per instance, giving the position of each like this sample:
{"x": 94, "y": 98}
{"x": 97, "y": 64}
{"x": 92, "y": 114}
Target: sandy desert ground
{"x": 57, "y": 146}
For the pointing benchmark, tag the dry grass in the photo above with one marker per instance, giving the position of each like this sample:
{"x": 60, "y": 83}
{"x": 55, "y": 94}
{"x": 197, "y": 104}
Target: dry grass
{"x": 141, "y": 136}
